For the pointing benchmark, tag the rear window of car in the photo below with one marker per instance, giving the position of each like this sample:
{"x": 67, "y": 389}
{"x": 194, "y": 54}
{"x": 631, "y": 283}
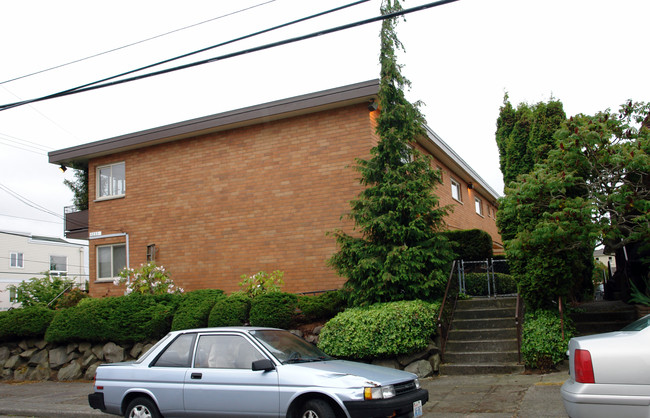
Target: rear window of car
{"x": 638, "y": 325}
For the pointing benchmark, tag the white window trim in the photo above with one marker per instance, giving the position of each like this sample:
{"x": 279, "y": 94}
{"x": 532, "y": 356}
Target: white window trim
{"x": 478, "y": 206}
{"x": 456, "y": 185}
{"x": 114, "y": 274}
{"x": 98, "y": 180}
{"x": 59, "y": 272}
{"x": 22, "y": 259}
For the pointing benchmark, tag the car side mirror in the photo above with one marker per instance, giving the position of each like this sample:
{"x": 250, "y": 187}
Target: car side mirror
{"x": 264, "y": 364}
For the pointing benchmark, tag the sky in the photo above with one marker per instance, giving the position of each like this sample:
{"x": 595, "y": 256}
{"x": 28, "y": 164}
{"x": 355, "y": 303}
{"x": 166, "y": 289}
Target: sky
{"x": 461, "y": 59}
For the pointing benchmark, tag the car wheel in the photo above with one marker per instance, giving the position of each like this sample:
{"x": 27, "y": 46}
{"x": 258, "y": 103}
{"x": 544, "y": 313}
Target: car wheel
{"x": 142, "y": 408}
{"x": 316, "y": 408}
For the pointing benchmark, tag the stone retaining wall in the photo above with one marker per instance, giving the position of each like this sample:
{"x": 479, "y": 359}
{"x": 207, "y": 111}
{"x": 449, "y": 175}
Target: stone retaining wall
{"x": 40, "y": 360}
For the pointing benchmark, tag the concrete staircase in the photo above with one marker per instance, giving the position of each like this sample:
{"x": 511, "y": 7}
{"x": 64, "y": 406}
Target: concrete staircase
{"x": 482, "y": 338}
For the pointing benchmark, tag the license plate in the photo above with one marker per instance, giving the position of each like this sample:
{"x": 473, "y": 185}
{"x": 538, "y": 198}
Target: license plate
{"x": 417, "y": 409}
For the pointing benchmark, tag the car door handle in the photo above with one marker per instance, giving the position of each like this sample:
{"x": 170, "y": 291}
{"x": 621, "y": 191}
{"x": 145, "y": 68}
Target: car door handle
{"x": 196, "y": 375}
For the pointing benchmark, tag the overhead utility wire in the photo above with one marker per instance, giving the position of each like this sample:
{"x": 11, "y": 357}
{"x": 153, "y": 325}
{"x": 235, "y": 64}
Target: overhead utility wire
{"x": 95, "y": 85}
{"x": 133, "y": 43}
{"x": 29, "y": 202}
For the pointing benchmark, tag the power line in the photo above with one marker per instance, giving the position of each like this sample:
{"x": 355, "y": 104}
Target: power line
{"x": 96, "y": 85}
{"x": 134, "y": 43}
{"x": 29, "y": 202}
{"x": 30, "y": 219}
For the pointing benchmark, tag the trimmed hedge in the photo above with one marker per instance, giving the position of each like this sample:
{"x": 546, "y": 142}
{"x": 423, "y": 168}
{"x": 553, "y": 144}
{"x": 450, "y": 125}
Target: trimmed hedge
{"x": 542, "y": 344}
{"x": 275, "y": 309}
{"x": 476, "y": 284}
{"x": 31, "y": 321}
{"x": 122, "y": 319}
{"x": 322, "y": 306}
{"x": 230, "y": 311}
{"x": 380, "y": 330}
{"x": 470, "y": 244}
{"x": 195, "y": 308}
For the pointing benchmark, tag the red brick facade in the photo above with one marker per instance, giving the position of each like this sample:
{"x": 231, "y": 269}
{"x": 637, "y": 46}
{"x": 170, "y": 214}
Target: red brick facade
{"x": 256, "y": 197}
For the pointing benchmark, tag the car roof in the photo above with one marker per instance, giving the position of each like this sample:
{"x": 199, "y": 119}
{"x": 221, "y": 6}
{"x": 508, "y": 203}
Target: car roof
{"x": 222, "y": 329}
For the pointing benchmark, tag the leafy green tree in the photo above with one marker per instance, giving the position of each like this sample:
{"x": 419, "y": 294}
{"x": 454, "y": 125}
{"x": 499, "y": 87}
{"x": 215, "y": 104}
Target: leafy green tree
{"x": 397, "y": 254}
{"x": 41, "y": 291}
{"x": 592, "y": 187}
{"x": 79, "y": 188}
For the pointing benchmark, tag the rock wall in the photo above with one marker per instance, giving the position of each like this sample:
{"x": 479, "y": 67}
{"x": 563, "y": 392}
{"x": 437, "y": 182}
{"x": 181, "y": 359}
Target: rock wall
{"x": 40, "y": 360}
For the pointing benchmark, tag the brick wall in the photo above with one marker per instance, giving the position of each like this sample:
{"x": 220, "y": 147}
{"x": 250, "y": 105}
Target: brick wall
{"x": 255, "y": 198}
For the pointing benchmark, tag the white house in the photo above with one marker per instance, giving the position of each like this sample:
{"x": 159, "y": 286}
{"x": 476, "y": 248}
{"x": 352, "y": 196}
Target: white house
{"x": 24, "y": 256}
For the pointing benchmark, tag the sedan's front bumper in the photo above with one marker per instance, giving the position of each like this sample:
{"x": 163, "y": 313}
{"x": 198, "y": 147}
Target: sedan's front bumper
{"x": 594, "y": 400}
{"x": 400, "y": 406}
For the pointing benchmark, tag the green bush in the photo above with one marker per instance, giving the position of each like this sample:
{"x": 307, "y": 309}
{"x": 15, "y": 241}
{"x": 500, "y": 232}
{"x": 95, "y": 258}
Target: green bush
{"x": 476, "y": 284}
{"x": 321, "y": 307}
{"x": 275, "y": 309}
{"x": 195, "y": 308}
{"x": 470, "y": 244}
{"x": 230, "y": 311}
{"x": 132, "y": 318}
{"x": 542, "y": 344}
{"x": 380, "y": 330}
{"x": 30, "y": 321}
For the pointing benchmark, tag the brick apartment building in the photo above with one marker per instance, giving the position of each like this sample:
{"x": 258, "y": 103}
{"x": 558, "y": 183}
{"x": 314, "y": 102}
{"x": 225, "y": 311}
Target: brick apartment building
{"x": 247, "y": 190}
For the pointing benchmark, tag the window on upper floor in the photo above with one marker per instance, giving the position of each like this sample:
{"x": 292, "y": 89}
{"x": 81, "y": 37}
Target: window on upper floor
{"x": 111, "y": 181}
{"x": 478, "y": 205}
{"x": 111, "y": 259}
{"x": 455, "y": 190}
{"x": 58, "y": 265}
{"x": 16, "y": 260}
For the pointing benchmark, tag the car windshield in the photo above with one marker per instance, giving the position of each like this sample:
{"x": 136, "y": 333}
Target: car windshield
{"x": 288, "y": 348}
{"x": 638, "y": 325}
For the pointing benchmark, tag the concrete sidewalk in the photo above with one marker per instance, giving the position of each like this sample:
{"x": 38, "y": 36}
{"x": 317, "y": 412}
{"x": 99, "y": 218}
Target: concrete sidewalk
{"x": 494, "y": 396}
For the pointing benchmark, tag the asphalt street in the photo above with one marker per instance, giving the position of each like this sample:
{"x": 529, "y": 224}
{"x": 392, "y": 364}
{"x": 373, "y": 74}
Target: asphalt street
{"x": 493, "y": 396}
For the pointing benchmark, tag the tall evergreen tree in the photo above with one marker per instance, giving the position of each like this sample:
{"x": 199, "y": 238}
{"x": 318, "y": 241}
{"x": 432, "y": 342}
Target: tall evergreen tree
{"x": 397, "y": 253}
{"x": 525, "y": 136}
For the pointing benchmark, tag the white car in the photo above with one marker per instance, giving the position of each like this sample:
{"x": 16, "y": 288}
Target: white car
{"x": 251, "y": 372}
{"x": 610, "y": 373}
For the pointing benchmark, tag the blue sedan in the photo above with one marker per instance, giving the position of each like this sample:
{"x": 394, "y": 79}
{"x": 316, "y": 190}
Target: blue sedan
{"x": 251, "y": 372}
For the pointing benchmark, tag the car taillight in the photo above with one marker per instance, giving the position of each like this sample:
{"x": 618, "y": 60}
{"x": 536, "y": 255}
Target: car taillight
{"x": 583, "y": 367}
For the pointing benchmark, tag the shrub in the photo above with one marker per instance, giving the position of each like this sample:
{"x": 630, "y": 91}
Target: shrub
{"x": 274, "y": 310}
{"x": 132, "y": 318}
{"x": 261, "y": 283}
{"x": 470, "y": 244}
{"x": 30, "y": 321}
{"x": 41, "y": 290}
{"x": 230, "y": 311}
{"x": 476, "y": 284}
{"x": 323, "y": 306}
{"x": 542, "y": 344}
{"x": 149, "y": 279}
{"x": 70, "y": 298}
{"x": 380, "y": 330}
{"x": 195, "y": 308}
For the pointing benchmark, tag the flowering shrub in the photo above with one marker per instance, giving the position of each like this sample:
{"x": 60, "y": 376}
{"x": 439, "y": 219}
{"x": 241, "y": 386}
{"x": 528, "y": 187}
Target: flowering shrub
{"x": 261, "y": 283}
{"x": 149, "y": 279}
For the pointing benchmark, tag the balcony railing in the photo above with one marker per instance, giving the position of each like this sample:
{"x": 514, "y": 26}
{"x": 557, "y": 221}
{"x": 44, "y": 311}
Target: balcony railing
{"x": 76, "y": 223}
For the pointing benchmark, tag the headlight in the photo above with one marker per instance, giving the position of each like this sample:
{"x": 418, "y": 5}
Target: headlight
{"x": 417, "y": 383}
{"x": 378, "y": 392}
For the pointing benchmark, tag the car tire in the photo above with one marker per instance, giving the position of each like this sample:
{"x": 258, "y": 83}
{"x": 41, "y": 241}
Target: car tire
{"x": 142, "y": 408}
{"x": 316, "y": 408}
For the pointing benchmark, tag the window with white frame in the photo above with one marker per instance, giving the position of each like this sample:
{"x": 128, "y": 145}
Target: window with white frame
{"x": 111, "y": 180}
{"x": 455, "y": 190}
{"x": 13, "y": 295}
{"x": 111, "y": 259}
{"x": 58, "y": 265}
{"x": 16, "y": 260}
{"x": 478, "y": 205}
